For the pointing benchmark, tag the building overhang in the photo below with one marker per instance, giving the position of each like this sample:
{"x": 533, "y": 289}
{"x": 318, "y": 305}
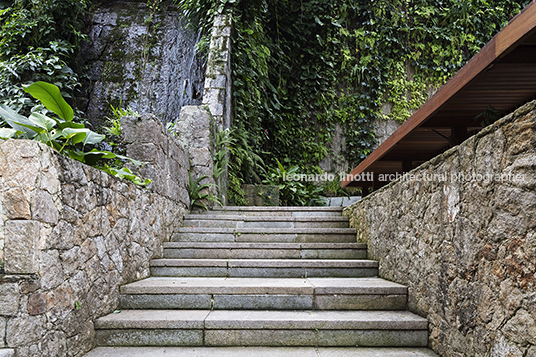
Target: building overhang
{"x": 502, "y": 75}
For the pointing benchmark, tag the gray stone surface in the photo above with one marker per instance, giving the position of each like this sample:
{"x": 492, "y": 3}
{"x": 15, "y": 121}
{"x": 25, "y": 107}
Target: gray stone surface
{"x": 259, "y": 352}
{"x": 321, "y": 320}
{"x": 261, "y": 302}
{"x": 148, "y": 141}
{"x": 165, "y": 301}
{"x": 21, "y": 243}
{"x": 9, "y": 299}
{"x": 202, "y": 352}
{"x": 261, "y": 251}
{"x": 364, "y": 286}
{"x": 464, "y": 245}
{"x": 193, "y": 131}
{"x": 263, "y": 272}
{"x": 260, "y": 338}
{"x": 266, "y": 268}
{"x": 135, "y": 337}
{"x": 266, "y": 235}
{"x": 188, "y": 271}
{"x": 7, "y": 352}
{"x": 2, "y": 332}
{"x": 360, "y": 302}
{"x": 218, "y": 82}
{"x": 156, "y": 285}
{"x": 264, "y": 293}
{"x": 378, "y": 338}
{"x": 153, "y": 319}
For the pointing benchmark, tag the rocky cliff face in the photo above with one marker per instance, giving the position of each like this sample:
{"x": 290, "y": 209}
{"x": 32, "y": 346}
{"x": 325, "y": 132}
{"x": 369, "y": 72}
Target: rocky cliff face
{"x": 142, "y": 57}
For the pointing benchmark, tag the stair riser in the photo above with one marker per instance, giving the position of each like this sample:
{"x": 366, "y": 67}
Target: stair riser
{"x": 280, "y": 272}
{"x": 149, "y": 337}
{"x": 287, "y": 337}
{"x": 265, "y": 253}
{"x": 260, "y": 224}
{"x": 264, "y": 238}
{"x": 263, "y": 302}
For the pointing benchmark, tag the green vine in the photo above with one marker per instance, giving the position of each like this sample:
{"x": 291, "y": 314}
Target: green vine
{"x": 300, "y": 68}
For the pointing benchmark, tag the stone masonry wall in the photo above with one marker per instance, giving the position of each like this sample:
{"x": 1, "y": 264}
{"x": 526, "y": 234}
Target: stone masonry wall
{"x": 166, "y": 162}
{"x": 465, "y": 248}
{"x": 70, "y": 236}
{"x": 217, "y": 92}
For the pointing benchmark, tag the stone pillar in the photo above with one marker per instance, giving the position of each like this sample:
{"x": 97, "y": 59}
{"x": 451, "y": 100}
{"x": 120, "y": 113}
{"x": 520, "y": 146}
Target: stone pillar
{"x": 217, "y": 91}
{"x": 193, "y": 131}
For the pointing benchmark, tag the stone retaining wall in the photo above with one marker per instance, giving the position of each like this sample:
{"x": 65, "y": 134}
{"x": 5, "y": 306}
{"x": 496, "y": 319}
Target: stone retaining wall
{"x": 71, "y": 235}
{"x": 465, "y": 248}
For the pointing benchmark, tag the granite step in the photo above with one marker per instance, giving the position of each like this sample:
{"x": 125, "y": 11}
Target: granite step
{"x": 261, "y": 328}
{"x": 260, "y": 352}
{"x": 224, "y": 250}
{"x": 264, "y": 293}
{"x": 275, "y": 211}
{"x": 245, "y": 221}
{"x": 264, "y": 268}
{"x": 266, "y": 235}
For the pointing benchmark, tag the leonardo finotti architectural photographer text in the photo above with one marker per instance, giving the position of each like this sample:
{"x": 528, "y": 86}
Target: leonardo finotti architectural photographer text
{"x": 371, "y": 177}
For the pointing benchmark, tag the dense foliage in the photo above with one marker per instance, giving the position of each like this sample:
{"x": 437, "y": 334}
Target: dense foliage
{"x": 39, "y": 41}
{"x": 302, "y": 68}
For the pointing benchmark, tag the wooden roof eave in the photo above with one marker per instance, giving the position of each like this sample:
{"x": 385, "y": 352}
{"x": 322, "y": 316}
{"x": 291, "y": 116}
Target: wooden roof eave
{"x": 501, "y": 44}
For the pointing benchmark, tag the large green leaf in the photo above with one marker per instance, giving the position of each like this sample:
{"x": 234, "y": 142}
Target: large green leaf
{"x": 70, "y": 124}
{"x": 51, "y": 97}
{"x": 42, "y": 121}
{"x": 8, "y": 133}
{"x": 13, "y": 119}
{"x": 76, "y": 135}
{"x": 93, "y": 138}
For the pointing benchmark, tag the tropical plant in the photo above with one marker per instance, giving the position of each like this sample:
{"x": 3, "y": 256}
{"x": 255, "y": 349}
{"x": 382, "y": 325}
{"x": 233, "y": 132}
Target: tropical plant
{"x": 61, "y": 132}
{"x": 200, "y": 193}
{"x": 293, "y": 192}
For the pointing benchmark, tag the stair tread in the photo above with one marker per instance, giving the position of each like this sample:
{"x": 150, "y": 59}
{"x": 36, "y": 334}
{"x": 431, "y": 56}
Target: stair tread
{"x": 246, "y": 245}
{"x": 255, "y": 319}
{"x": 276, "y": 208}
{"x": 294, "y": 286}
{"x": 219, "y": 217}
{"x": 272, "y": 263}
{"x": 267, "y": 231}
{"x": 260, "y": 352}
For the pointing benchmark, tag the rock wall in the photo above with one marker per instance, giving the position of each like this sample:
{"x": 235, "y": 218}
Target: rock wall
{"x": 460, "y": 231}
{"x": 71, "y": 235}
{"x": 141, "y": 58}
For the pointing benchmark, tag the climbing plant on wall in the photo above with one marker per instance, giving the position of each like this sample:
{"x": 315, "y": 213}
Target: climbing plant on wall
{"x": 302, "y": 67}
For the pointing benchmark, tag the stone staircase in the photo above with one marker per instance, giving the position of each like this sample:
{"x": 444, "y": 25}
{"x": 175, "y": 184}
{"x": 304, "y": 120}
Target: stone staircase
{"x": 264, "y": 281}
